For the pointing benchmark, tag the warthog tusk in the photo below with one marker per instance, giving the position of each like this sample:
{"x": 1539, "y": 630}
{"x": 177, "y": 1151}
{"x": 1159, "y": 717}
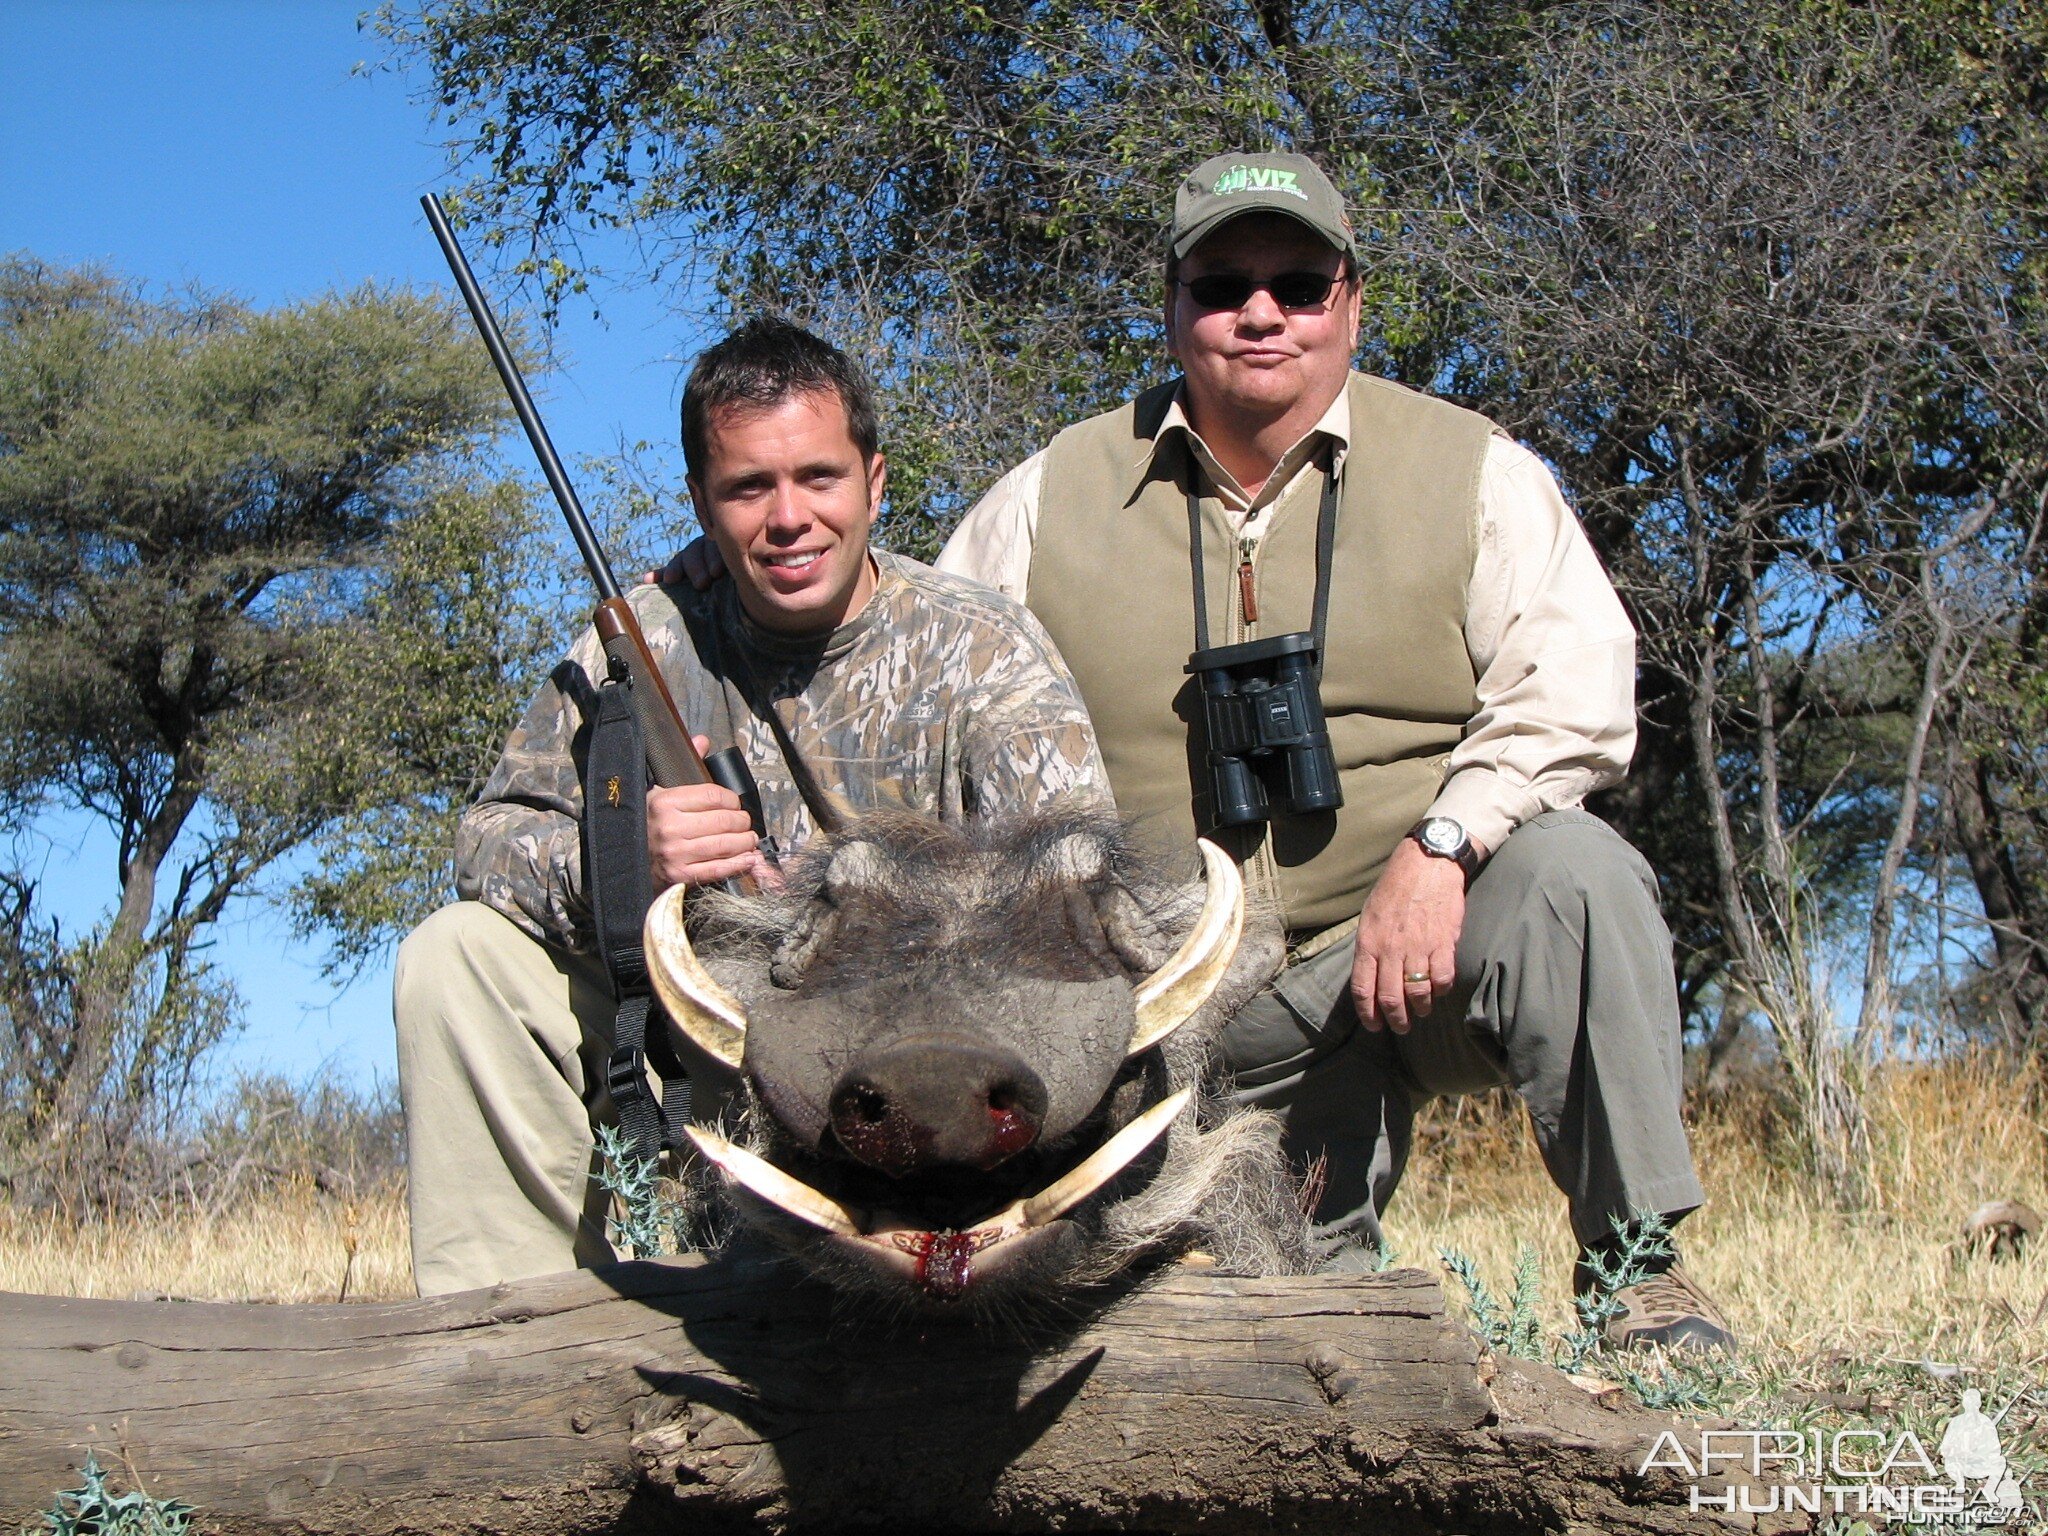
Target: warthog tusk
{"x": 700, "y": 1007}
{"x": 1100, "y": 1166}
{"x": 1048, "y": 1205}
{"x": 1171, "y": 995}
{"x": 775, "y": 1186}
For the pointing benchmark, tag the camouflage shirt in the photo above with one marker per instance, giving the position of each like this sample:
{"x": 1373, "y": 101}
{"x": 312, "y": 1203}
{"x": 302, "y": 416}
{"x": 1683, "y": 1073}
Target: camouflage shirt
{"x": 940, "y": 696}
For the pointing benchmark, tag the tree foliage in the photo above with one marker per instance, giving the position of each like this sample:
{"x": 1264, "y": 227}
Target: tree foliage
{"x": 1764, "y": 295}
{"x": 258, "y": 595}
{"x": 969, "y": 195}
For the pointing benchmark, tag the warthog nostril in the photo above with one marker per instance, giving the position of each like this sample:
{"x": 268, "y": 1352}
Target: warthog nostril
{"x": 867, "y": 1124}
{"x": 928, "y": 1103}
{"x": 1012, "y": 1125}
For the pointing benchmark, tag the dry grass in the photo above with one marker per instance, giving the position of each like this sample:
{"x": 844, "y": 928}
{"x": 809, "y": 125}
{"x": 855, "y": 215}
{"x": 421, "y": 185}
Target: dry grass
{"x": 1798, "y": 1279}
{"x": 292, "y": 1246}
{"x": 1874, "y": 1320}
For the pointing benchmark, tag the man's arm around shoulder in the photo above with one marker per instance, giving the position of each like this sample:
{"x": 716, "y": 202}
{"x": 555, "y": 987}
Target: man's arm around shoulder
{"x": 993, "y": 543}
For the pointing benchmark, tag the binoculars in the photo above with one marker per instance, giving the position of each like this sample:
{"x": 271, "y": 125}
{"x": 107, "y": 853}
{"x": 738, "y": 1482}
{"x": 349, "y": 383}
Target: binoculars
{"x": 1269, "y": 746}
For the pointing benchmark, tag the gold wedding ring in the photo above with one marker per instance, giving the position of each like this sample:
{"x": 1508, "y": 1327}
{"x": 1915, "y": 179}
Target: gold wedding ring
{"x": 1415, "y": 976}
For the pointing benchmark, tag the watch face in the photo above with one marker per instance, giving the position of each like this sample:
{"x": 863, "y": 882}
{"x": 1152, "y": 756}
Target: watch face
{"x": 1442, "y": 835}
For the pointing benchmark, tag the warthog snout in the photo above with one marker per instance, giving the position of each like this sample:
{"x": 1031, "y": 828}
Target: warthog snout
{"x": 928, "y": 1102}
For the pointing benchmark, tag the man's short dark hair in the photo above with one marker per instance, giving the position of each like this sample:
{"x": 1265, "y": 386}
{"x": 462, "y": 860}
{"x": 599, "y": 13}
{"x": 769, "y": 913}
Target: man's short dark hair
{"x": 763, "y": 363}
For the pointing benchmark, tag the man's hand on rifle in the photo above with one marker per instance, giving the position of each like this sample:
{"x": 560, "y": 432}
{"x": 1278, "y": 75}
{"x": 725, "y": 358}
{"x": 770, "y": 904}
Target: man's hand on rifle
{"x": 697, "y": 562}
{"x": 698, "y": 835}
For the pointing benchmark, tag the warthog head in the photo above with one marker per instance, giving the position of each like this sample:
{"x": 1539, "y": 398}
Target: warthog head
{"x": 975, "y": 1059}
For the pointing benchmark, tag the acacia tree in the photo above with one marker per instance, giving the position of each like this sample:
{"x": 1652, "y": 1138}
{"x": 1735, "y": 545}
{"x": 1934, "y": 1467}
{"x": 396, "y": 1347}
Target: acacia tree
{"x": 256, "y": 591}
{"x": 1762, "y": 280}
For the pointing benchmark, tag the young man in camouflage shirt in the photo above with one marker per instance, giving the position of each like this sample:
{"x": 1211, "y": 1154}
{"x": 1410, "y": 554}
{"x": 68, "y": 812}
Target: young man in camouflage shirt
{"x": 851, "y": 680}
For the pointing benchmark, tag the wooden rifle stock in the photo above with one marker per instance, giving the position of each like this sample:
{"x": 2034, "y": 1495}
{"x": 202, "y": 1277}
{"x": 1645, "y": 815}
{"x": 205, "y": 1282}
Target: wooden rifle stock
{"x": 672, "y": 756}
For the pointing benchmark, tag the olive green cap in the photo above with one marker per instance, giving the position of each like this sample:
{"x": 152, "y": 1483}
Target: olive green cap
{"x": 1226, "y": 187}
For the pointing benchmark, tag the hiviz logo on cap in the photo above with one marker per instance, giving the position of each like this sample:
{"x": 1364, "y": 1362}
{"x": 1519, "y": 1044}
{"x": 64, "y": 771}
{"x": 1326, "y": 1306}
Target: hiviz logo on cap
{"x": 1226, "y": 187}
{"x": 1259, "y": 178}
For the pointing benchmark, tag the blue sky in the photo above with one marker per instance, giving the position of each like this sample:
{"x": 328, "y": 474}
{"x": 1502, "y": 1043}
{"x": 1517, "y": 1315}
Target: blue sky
{"x": 254, "y": 146}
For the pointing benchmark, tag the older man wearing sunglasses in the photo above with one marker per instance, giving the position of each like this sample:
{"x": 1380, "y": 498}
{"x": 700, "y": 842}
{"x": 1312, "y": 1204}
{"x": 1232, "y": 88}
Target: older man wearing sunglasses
{"x": 1413, "y": 670}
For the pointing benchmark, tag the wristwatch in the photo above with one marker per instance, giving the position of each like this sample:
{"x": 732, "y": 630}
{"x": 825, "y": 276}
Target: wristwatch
{"x": 1443, "y": 838}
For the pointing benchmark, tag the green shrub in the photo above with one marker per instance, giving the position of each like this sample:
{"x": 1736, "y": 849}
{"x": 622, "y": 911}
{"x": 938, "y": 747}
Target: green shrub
{"x": 92, "y": 1509}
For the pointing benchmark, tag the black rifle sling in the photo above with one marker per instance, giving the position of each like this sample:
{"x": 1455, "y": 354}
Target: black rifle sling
{"x": 615, "y": 869}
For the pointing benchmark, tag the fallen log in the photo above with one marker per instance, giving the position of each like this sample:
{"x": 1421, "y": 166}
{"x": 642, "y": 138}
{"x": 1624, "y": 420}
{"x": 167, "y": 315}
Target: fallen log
{"x": 713, "y": 1397}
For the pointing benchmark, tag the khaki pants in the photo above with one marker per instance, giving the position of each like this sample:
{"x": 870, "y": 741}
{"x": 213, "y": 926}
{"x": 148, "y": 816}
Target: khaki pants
{"x": 1565, "y": 989}
{"x": 501, "y": 1049}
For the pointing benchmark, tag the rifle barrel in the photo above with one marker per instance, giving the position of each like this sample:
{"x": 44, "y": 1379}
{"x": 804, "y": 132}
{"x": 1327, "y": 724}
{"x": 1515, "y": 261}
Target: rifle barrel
{"x": 671, "y": 753}
{"x": 522, "y": 402}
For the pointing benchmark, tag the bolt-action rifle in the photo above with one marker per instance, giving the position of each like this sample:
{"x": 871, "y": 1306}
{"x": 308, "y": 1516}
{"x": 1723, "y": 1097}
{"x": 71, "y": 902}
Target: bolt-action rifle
{"x": 672, "y": 757}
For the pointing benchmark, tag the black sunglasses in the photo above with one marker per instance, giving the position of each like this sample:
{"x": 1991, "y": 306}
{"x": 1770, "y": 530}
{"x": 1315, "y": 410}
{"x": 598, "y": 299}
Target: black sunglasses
{"x": 1233, "y": 290}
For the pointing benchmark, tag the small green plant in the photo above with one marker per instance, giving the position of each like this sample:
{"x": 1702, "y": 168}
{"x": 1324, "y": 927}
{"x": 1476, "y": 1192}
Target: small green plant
{"x": 1514, "y": 1327}
{"x": 92, "y": 1509}
{"x": 654, "y": 1220}
{"x": 1691, "y": 1384}
{"x": 1638, "y": 1246}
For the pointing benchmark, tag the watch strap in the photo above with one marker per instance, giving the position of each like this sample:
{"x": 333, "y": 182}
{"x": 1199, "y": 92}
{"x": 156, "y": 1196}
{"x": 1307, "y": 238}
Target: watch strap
{"x": 1466, "y": 857}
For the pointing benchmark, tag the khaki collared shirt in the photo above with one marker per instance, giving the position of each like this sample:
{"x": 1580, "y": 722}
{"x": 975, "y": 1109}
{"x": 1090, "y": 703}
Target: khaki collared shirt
{"x": 1553, "y": 651}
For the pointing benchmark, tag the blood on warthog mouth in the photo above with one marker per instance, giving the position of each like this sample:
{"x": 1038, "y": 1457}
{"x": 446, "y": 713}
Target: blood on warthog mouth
{"x": 944, "y": 1259}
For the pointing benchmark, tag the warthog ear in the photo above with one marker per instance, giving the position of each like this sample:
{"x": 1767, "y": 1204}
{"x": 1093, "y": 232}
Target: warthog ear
{"x": 699, "y": 1006}
{"x": 1174, "y": 993}
{"x": 855, "y": 866}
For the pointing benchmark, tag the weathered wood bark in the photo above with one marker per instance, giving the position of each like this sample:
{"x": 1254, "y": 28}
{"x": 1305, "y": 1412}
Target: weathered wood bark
{"x": 696, "y": 1397}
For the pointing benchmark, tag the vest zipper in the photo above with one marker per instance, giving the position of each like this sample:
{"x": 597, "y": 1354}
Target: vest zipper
{"x": 1262, "y": 869}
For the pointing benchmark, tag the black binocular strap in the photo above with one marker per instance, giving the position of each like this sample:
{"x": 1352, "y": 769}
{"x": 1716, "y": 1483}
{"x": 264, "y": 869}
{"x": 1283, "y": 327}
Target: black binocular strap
{"x": 1326, "y": 547}
{"x": 615, "y": 869}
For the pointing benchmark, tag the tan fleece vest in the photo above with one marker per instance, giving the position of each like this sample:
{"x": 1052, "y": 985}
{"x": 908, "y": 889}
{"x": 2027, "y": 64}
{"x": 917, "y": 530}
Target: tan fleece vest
{"x": 1111, "y": 579}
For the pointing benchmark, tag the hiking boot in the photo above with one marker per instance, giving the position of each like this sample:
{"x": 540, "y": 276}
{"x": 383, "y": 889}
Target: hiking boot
{"x": 1666, "y": 1308}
